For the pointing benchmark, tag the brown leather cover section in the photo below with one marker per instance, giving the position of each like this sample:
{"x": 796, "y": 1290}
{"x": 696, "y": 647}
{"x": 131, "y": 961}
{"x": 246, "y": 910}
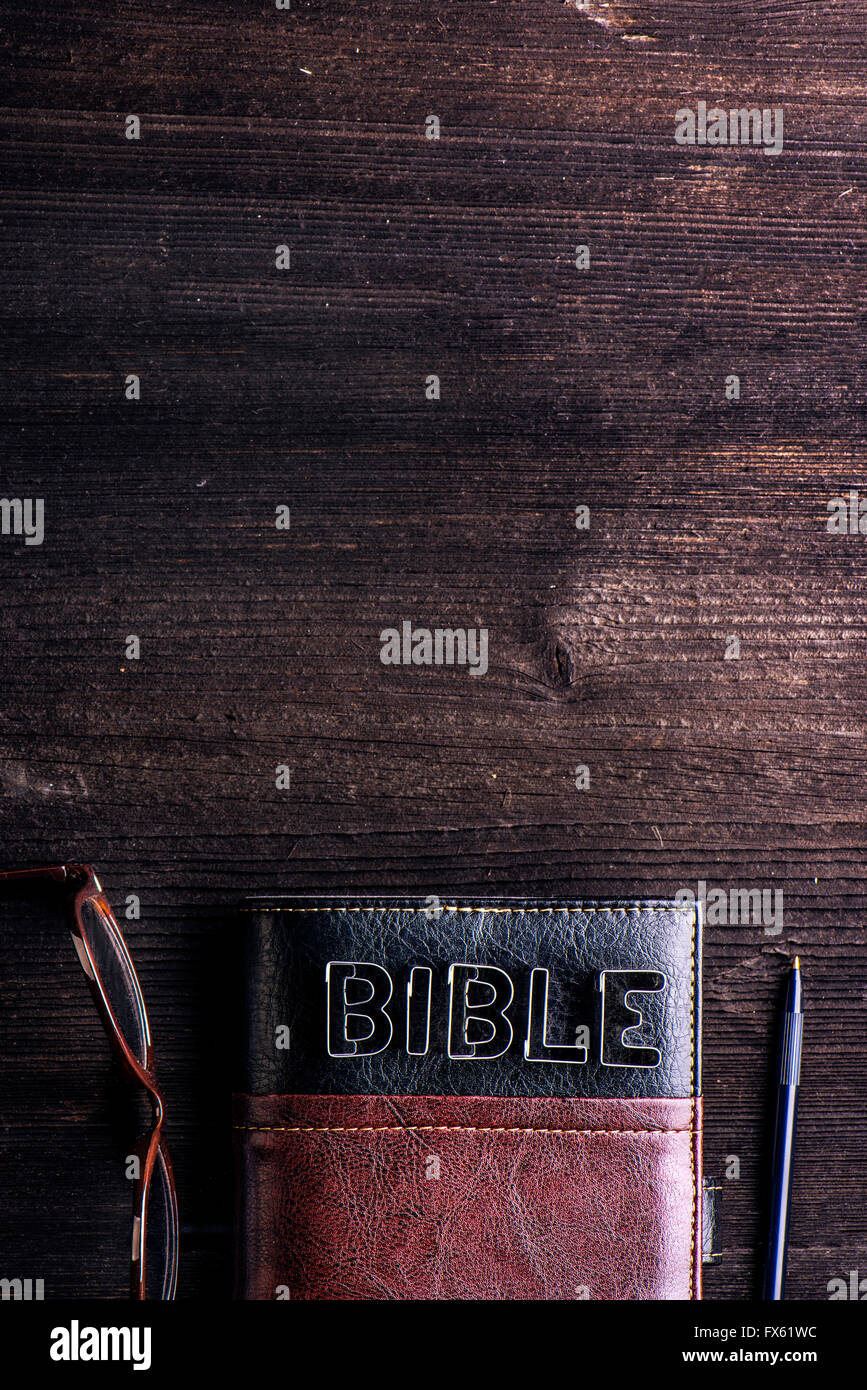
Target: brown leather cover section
{"x": 468, "y": 1197}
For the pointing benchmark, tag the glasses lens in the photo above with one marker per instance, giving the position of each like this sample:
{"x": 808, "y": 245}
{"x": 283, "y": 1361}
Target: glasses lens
{"x": 161, "y": 1254}
{"x": 116, "y": 976}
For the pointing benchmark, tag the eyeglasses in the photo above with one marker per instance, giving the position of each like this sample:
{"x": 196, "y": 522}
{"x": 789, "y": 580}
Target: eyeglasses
{"x": 103, "y": 957}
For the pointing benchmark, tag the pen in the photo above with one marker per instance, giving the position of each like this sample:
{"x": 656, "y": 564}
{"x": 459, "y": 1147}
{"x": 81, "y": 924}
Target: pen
{"x": 788, "y": 1078}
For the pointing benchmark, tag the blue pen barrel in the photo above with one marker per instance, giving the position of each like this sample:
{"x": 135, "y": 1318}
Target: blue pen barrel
{"x": 788, "y": 1078}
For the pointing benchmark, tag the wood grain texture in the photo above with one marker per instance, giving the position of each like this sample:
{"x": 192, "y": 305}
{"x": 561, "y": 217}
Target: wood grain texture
{"x": 306, "y": 387}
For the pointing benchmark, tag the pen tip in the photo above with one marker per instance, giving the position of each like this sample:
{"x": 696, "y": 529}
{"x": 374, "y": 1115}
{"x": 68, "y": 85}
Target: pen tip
{"x": 797, "y": 963}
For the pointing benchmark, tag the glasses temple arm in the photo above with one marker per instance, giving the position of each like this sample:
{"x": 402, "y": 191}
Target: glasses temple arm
{"x": 58, "y": 874}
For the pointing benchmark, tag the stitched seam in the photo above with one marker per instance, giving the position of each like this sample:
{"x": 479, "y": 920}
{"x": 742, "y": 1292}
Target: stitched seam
{"x": 692, "y": 1222}
{"x": 692, "y": 1069}
{"x": 693, "y": 1078}
{"x": 441, "y": 1129}
{"x": 448, "y": 907}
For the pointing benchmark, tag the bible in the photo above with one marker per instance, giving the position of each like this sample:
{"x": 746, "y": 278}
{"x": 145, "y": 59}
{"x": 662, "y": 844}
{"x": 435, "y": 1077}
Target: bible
{"x": 492, "y": 1099}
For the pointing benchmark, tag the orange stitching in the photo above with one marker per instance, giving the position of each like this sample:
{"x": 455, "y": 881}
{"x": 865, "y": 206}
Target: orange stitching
{"x": 696, "y": 1214}
{"x": 441, "y": 1129}
{"x": 693, "y": 1215}
{"x": 454, "y": 907}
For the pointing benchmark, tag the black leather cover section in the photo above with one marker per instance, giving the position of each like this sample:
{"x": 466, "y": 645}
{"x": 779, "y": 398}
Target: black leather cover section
{"x": 289, "y": 942}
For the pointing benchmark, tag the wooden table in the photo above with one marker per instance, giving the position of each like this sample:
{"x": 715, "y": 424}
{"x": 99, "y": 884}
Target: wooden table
{"x": 308, "y": 387}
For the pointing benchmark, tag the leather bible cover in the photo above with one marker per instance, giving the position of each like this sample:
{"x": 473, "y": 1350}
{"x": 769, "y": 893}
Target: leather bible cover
{"x": 496, "y": 1100}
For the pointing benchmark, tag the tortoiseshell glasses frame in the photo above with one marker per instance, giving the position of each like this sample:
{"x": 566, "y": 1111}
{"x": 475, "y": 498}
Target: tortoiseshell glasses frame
{"x": 116, "y": 991}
